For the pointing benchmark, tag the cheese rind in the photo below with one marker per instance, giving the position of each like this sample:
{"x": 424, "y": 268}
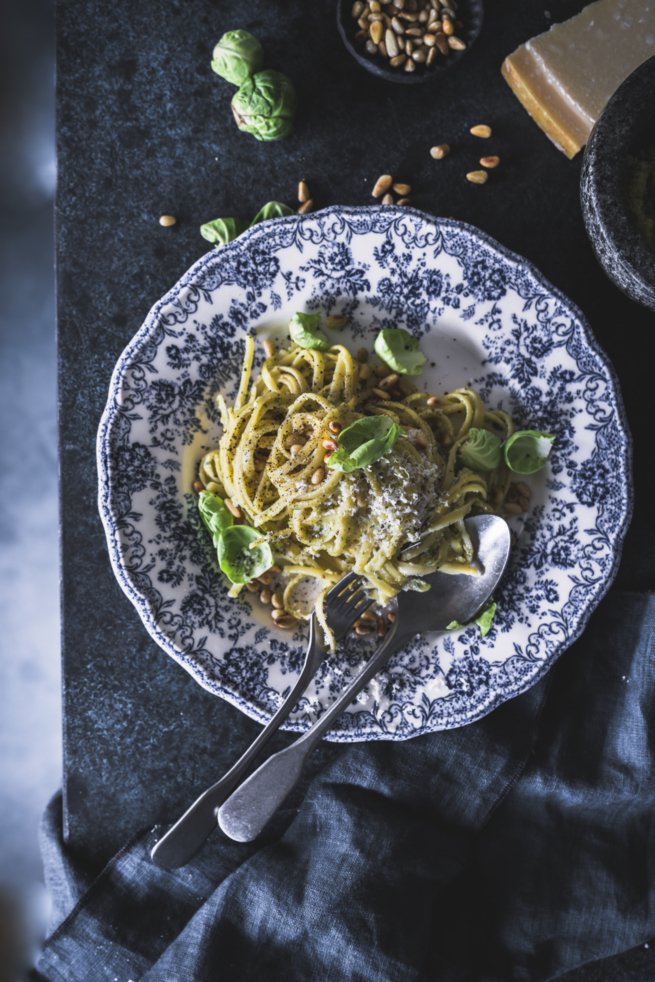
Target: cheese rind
{"x": 565, "y": 76}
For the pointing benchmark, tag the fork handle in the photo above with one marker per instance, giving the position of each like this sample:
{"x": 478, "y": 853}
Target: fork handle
{"x": 183, "y": 840}
{"x": 245, "y": 813}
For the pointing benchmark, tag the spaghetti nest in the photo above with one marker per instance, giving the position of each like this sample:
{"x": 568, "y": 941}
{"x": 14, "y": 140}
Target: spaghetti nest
{"x": 272, "y": 462}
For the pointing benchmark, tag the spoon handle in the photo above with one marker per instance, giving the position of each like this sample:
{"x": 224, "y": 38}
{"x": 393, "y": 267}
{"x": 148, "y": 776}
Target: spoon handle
{"x": 245, "y": 813}
{"x": 183, "y": 840}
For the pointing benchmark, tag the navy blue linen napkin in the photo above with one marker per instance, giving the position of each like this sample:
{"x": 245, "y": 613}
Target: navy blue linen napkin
{"x": 516, "y": 848}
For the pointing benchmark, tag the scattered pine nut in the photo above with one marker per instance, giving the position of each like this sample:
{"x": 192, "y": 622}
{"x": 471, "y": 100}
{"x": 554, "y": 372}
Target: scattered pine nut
{"x": 198, "y": 486}
{"x": 403, "y": 201}
{"x": 329, "y": 445}
{"x": 440, "y": 151}
{"x": 265, "y": 596}
{"x": 336, "y": 322}
{"x": 363, "y": 630}
{"x": 481, "y": 130}
{"x": 389, "y": 380}
{"x": 382, "y": 184}
{"x": 334, "y": 426}
{"x": 433, "y": 401}
{"x": 318, "y": 476}
{"x": 286, "y": 623}
{"x": 278, "y": 614}
{"x": 269, "y": 347}
{"x": 477, "y": 176}
{"x": 277, "y": 600}
{"x": 236, "y": 511}
{"x": 382, "y": 628}
{"x": 306, "y": 206}
{"x": 303, "y": 192}
{"x": 368, "y": 615}
{"x": 388, "y": 199}
{"x": 403, "y": 189}
{"x": 489, "y": 162}
{"x": 252, "y": 587}
{"x": 391, "y": 616}
{"x": 265, "y": 579}
{"x": 167, "y": 220}
{"x": 381, "y": 394}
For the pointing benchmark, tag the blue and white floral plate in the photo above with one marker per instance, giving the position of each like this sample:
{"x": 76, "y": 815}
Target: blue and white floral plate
{"x": 486, "y": 319}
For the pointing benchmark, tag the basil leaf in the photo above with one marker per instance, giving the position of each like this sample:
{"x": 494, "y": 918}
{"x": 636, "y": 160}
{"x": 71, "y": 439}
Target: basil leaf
{"x": 222, "y": 230}
{"x": 400, "y": 351}
{"x": 238, "y": 561}
{"x": 272, "y": 209}
{"x": 306, "y": 332}
{"x": 483, "y": 620}
{"x": 527, "y": 451}
{"x": 364, "y": 442}
{"x": 215, "y": 514}
{"x": 481, "y": 450}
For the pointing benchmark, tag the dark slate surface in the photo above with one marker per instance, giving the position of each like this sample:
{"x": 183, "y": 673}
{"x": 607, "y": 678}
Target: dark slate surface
{"x": 144, "y": 128}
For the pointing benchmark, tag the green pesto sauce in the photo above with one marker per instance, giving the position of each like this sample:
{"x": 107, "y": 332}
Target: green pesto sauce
{"x": 641, "y": 192}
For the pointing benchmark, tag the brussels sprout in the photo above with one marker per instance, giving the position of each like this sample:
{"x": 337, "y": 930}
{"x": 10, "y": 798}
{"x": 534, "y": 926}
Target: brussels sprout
{"x": 237, "y": 56}
{"x": 265, "y": 105}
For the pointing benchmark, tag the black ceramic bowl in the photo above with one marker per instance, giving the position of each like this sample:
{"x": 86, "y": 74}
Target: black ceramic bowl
{"x": 624, "y": 134}
{"x": 469, "y": 11}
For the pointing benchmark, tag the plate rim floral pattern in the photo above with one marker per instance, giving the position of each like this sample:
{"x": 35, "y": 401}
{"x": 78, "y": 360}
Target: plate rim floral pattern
{"x": 163, "y": 628}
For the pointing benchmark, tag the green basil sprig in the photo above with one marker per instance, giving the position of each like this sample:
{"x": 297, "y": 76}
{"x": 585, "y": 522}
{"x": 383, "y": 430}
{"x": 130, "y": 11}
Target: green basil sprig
{"x": 306, "y": 332}
{"x": 237, "y": 557}
{"x": 481, "y": 450}
{"x": 524, "y": 452}
{"x": 527, "y": 451}
{"x": 400, "y": 351}
{"x": 484, "y": 619}
{"x": 220, "y": 231}
{"x": 364, "y": 442}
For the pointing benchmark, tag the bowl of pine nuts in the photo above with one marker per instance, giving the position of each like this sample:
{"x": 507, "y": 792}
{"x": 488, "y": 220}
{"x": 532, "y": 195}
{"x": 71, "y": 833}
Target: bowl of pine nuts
{"x": 408, "y": 41}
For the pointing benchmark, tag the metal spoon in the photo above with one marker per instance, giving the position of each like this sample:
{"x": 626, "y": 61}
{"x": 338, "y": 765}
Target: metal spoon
{"x": 452, "y": 597}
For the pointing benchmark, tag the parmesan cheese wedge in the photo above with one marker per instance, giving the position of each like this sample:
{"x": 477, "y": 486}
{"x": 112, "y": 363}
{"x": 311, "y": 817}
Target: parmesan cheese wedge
{"x": 565, "y": 76}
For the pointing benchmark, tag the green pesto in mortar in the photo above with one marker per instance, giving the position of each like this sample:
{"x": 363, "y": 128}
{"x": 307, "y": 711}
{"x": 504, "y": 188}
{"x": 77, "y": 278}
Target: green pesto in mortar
{"x": 641, "y": 192}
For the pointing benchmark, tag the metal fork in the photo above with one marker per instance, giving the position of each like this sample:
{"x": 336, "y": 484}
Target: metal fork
{"x": 344, "y": 604}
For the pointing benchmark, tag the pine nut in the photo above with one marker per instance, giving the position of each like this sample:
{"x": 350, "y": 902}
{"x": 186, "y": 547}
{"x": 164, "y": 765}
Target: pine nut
{"x": 477, "y": 176}
{"x": 489, "y": 162}
{"x": 277, "y": 600}
{"x": 329, "y": 445}
{"x": 198, "y": 486}
{"x": 391, "y": 616}
{"x": 295, "y": 448}
{"x": 403, "y": 201}
{"x": 275, "y": 568}
{"x": 403, "y": 189}
{"x": 305, "y": 207}
{"x": 269, "y": 347}
{"x": 398, "y": 60}
{"x": 318, "y": 476}
{"x": 382, "y": 184}
{"x": 481, "y": 130}
{"x": 368, "y": 615}
{"x": 252, "y": 587}
{"x": 382, "y": 628}
{"x": 236, "y": 511}
{"x": 279, "y": 614}
{"x": 389, "y": 380}
{"x": 286, "y": 623}
{"x": 364, "y": 372}
{"x": 303, "y": 192}
{"x": 410, "y": 65}
{"x": 334, "y": 426}
{"x": 440, "y": 151}
{"x": 265, "y": 579}
{"x": 167, "y": 221}
{"x": 377, "y": 28}
{"x": 456, "y": 43}
{"x": 447, "y": 26}
{"x": 265, "y": 596}
{"x": 381, "y": 394}
{"x": 433, "y": 401}
{"x": 363, "y": 631}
